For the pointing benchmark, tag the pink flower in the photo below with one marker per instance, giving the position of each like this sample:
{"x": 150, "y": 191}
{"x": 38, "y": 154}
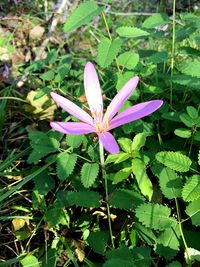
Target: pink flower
{"x": 99, "y": 122}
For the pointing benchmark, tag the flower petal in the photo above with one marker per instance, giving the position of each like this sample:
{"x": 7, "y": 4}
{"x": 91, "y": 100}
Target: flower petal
{"x": 134, "y": 113}
{"x": 72, "y": 108}
{"x": 92, "y": 89}
{"x": 120, "y": 98}
{"x": 72, "y": 127}
{"x": 109, "y": 142}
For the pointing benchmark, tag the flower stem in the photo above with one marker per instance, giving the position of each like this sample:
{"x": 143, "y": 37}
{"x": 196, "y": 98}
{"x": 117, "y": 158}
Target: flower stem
{"x": 102, "y": 161}
{"x": 181, "y": 231}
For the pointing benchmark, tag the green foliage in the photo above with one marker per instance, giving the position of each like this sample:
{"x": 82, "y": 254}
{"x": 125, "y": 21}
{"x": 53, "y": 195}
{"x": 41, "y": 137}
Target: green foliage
{"x": 155, "y": 20}
{"x": 125, "y": 199}
{"x": 82, "y": 15}
{"x": 128, "y": 60}
{"x": 143, "y": 181}
{"x": 138, "y": 141}
{"x": 122, "y": 175}
{"x": 170, "y": 183}
{"x": 183, "y": 132}
{"x": 107, "y": 51}
{"x": 44, "y": 183}
{"x": 65, "y": 164}
{"x": 55, "y": 216}
{"x": 86, "y": 199}
{"x": 42, "y": 145}
{"x": 193, "y": 210}
{"x": 191, "y": 68}
{"x": 191, "y": 189}
{"x": 131, "y": 32}
{"x": 174, "y": 160}
{"x": 30, "y": 261}
{"x": 89, "y": 174}
{"x": 98, "y": 241}
{"x": 154, "y": 216}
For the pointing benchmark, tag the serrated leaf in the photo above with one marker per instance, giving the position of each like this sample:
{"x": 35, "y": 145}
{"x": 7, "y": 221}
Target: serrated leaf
{"x": 131, "y": 32}
{"x": 170, "y": 236}
{"x": 154, "y": 216}
{"x": 125, "y": 144}
{"x": 74, "y": 140}
{"x": 191, "y": 68}
{"x": 186, "y": 80}
{"x": 82, "y": 15}
{"x": 155, "y": 20}
{"x": 143, "y": 181}
{"x": 87, "y": 199}
{"x": 191, "y": 189}
{"x": 145, "y": 234}
{"x": 174, "y": 264}
{"x": 122, "y": 175}
{"x": 98, "y": 241}
{"x": 42, "y": 145}
{"x": 118, "y": 263}
{"x": 193, "y": 210}
{"x": 128, "y": 60}
{"x": 174, "y": 160}
{"x": 183, "y": 132}
{"x": 138, "y": 141}
{"x": 89, "y": 174}
{"x": 170, "y": 183}
{"x": 125, "y": 199}
{"x": 107, "y": 51}
{"x": 65, "y": 164}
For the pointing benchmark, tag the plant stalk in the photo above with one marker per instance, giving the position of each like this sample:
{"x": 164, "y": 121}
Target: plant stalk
{"x": 102, "y": 162}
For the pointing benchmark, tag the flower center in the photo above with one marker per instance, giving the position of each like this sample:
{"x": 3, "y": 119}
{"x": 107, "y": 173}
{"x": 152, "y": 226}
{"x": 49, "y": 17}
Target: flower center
{"x": 99, "y": 124}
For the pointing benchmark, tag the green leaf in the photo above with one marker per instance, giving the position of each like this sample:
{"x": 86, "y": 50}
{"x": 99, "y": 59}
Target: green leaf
{"x": 191, "y": 189}
{"x": 82, "y": 15}
{"x": 87, "y": 199}
{"x": 125, "y": 144}
{"x": 125, "y": 199}
{"x": 65, "y": 164}
{"x": 193, "y": 210}
{"x": 118, "y": 263}
{"x": 170, "y": 236}
{"x": 48, "y": 76}
{"x": 191, "y": 68}
{"x": 174, "y": 160}
{"x": 170, "y": 183}
{"x": 128, "y": 60}
{"x": 143, "y": 181}
{"x": 117, "y": 158}
{"x": 174, "y": 264}
{"x": 42, "y": 145}
{"x": 158, "y": 57}
{"x": 192, "y": 112}
{"x": 187, "y": 120}
{"x": 131, "y": 32}
{"x": 186, "y": 80}
{"x": 138, "y": 141}
{"x": 98, "y": 241}
{"x": 154, "y": 216}
{"x": 55, "y": 216}
{"x": 74, "y": 140}
{"x": 122, "y": 175}
{"x": 183, "y": 132}
{"x": 30, "y": 261}
{"x": 89, "y": 174}
{"x": 44, "y": 183}
{"x": 199, "y": 158}
{"x": 49, "y": 259}
{"x": 107, "y": 51}
{"x": 194, "y": 255}
{"x": 155, "y": 20}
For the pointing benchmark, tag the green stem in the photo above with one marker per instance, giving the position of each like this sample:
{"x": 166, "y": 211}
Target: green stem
{"x": 102, "y": 161}
{"x": 181, "y": 231}
{"x": 173, "y": 49}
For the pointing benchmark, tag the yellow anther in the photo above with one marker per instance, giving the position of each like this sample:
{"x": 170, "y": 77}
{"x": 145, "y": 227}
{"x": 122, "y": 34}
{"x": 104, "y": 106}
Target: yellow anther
{"x": 93, "y": 115}
{"x": 99, "y": 115}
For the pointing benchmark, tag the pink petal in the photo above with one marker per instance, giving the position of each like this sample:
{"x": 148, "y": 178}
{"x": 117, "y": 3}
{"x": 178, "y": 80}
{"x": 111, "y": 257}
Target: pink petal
{"x": 109, "y": 142}
{"x": 72, "y": 127}
{"x": 92, "y": 88}
{"x": 134, "y": 113}
{"x": 72, "y": 108}
{"x": 120, "y": 98}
